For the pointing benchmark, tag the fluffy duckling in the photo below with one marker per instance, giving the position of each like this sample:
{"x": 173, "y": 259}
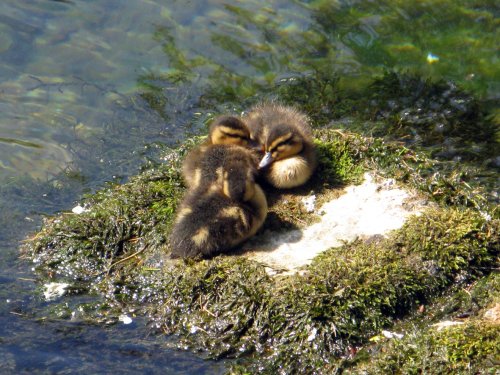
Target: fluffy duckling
{"x": 226, "y": 130}
{"x": 217, "y": 216}
{"x": 285, "y": 137}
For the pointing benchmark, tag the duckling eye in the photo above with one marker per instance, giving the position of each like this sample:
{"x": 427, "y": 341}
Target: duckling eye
{"x": 282, "y": 146}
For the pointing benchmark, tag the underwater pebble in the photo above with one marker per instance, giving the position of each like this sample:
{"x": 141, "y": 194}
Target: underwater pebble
{"x": 125, "y": 319}
{"x": 54, "y": 290}
{"x": 309, "y": 203}
{"x": 6, "y": 39}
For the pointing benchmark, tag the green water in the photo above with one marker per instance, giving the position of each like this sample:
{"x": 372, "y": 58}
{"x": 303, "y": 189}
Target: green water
{"x": 89, "y": 90}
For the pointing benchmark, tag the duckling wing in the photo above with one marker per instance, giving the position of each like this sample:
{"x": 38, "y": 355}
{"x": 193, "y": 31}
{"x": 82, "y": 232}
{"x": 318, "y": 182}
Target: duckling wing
{"x": 211, "y": 225}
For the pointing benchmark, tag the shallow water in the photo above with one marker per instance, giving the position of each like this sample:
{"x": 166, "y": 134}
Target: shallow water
{"x": 88, "y": 89}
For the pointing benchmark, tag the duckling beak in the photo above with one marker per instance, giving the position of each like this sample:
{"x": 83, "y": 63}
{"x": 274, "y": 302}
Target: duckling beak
{"x": 266, "y": 160}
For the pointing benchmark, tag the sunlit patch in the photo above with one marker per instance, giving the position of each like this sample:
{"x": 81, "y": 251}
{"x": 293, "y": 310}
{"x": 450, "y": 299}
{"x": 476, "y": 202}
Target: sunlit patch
{"x": 225, "y": 185}
{"x": 201, "y": 236}
{"x": 230, "y": 212}
{"x": 431, "y": 59}
{"x": 54, "y": 290}
{"x": 280, "y": 140}
{"x": 219, "y": 173}
{"x": 79, "y": 210}
{"x": 289, "y": 172}
{"x": 183, "y": 213}
{"x": 196, "y": 178}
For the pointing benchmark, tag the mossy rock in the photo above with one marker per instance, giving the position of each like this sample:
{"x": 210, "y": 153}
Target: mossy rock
{"x": 470, "y": 343}
{"x": 230, "y": 307}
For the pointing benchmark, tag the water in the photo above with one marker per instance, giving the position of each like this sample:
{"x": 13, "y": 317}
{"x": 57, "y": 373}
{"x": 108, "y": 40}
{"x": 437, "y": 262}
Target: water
{"x": 90, "y": 88}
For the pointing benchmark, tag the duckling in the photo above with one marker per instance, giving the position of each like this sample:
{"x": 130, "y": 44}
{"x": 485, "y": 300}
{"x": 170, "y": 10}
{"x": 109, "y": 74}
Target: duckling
{"x": 217, "y": 216}
{"x": 226, "y": 130}
{"x": 285, "y": 137}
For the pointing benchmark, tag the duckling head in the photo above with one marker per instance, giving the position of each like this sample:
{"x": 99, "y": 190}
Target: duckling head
{"x": 229, "y": 130}
{"x": 282, "y": 142}
{"x": 239, "y": 185}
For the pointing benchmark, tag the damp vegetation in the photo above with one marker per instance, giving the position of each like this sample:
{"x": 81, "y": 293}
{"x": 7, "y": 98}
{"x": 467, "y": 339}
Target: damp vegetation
{"x": 320, "y": 320}
{"x": 470, "y": 344}
{"x": 330, "y": 316}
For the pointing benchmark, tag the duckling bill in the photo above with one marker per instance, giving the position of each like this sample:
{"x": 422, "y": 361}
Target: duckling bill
{"x": 221, "y": 213}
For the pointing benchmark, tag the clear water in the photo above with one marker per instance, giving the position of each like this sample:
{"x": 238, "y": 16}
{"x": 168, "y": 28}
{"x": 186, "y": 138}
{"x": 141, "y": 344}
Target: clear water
{"x": 88, "y": 88}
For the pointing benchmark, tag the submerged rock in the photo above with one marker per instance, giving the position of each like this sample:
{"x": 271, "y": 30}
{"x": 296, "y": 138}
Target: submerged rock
{"x": 312, "y": 321}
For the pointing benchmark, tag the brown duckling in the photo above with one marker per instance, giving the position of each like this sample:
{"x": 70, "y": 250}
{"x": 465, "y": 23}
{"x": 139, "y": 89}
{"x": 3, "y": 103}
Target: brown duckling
{"x": 226, "y": 130}
{"x": 285, "y": 137}
{"x": 217, "y": 216}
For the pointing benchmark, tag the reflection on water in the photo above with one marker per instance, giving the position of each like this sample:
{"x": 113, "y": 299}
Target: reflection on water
{"x": 64, "y": 67}
{"x": 65, "y": 64}
{"x": 87, "y": 88}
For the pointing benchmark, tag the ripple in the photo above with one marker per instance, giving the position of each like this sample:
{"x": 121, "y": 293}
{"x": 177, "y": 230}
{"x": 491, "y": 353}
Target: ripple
{"x": 20, "y": 142}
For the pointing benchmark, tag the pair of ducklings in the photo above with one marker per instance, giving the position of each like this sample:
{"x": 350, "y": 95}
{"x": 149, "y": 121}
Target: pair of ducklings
{"x": 225, "y": 205}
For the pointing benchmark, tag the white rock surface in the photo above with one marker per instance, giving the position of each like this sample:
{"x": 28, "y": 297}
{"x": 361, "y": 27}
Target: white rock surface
{"x": 372, "y": 208}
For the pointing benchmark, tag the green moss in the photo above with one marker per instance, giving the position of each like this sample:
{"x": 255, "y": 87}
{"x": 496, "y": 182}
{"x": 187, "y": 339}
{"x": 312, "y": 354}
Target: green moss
{"x": 320, "y": 95}
{"x": 340, "y": 154}
{"x": 229, "y": 306}
{"x": 463, "y": 349}
{"x": 474, "y": 342}
{"x": 119, "y": 221}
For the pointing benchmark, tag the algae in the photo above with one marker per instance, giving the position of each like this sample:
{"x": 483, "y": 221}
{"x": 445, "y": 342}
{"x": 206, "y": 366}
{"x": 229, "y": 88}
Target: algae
{"x": 229, "y": 307}
{"x": 462, "y": 339}
{"x": 313, "y": 322}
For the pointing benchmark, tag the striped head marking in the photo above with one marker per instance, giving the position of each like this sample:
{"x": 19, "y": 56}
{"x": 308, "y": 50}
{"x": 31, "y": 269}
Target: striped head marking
{"x": 281, "y": 147}
{"x": 229, "y": 130}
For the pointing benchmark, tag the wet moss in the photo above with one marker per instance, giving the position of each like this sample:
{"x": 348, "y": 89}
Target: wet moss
{"x": 229, "y": 307}
{"x": 467, "y": 348}
{"x": 428, "y": 114}
{"x": 362, "y": 288}
{"x": 118, "y": 221}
